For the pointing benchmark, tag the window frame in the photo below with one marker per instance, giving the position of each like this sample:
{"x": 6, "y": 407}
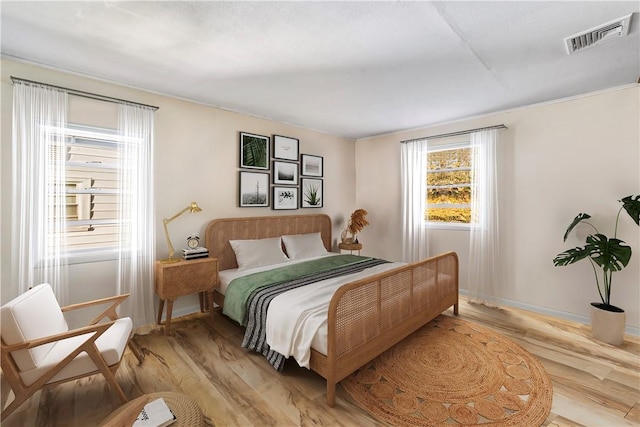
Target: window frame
{"x": 102, "y": 136}
{"x": 433, "y": 148}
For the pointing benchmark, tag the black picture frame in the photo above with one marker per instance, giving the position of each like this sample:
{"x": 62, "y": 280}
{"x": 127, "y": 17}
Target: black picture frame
{"x": 311, "y": 165}
{"x": 312, "y": 193}
{"x": 254, "y": 151}
{"x": 284, "y": 173}
{"x": 253, "y": 189}
{"x": 285, "y": 198}
{"x": 285, "y": 148}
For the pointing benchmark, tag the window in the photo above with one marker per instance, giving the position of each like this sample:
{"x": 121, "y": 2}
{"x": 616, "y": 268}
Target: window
{"x": 82, "y": 194}
{"x": 449, "y": 184}
{"x": 91, "y": 190}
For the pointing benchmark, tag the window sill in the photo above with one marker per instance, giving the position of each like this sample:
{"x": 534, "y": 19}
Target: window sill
{"x": 448, "y": 226}
{"x": 85, "y": 257}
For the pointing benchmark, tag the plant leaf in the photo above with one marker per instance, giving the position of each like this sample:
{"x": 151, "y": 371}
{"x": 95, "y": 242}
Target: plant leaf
{"x": 254, "y": 152}
{"x": 631, "y": 204}
{"x": 311, "y": 195}
{"x": 576, "y": 221}
{"x": 610, "y": 254}
{"x": 570, "y": 256}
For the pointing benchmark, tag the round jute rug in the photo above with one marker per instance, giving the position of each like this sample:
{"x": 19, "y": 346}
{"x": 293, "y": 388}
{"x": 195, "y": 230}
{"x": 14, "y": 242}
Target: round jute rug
{"x": 454, "y": 372}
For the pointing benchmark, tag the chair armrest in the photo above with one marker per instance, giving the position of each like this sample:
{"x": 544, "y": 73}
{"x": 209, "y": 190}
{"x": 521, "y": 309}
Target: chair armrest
{"x": 98, "y": 330}
{"x": 109, "y": 312}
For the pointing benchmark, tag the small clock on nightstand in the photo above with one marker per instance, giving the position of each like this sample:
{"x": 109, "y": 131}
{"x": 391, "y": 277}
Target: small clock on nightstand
{"x": 193, "y": 241}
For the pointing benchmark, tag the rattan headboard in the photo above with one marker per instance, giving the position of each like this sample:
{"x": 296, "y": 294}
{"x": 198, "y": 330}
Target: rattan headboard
{"x": 220, "y": 231}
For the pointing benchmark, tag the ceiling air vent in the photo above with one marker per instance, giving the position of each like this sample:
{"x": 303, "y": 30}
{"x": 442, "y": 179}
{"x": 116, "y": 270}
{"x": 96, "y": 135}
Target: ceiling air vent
{"x": 598, "y": 35}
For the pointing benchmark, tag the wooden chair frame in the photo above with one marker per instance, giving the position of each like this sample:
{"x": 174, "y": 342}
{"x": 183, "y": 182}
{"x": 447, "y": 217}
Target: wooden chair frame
{"x": 23, "y": 392}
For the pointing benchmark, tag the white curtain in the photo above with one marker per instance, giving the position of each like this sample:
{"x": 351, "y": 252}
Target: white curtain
{"x": 484, "y": 280}
{"x": 136, "y": 252}
{"x": 39, "y": 154}
{"x": 413, "y": 167}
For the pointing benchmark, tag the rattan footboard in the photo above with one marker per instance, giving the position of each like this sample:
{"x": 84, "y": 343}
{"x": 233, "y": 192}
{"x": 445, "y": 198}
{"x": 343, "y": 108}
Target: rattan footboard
{"x": 366, "y": 317}
{"x": 371, "y": 315}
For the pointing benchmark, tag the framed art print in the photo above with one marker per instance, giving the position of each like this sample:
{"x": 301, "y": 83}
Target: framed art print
{"x": 311, "y": 165}
{"x": 311, "y": 193}
{"x": 285, "y": 148}
{"x": 254, "y": 151}
{"x": 285, "y": 198}
{"x": 254, "y": 189}
{"x": 285, "y": 173}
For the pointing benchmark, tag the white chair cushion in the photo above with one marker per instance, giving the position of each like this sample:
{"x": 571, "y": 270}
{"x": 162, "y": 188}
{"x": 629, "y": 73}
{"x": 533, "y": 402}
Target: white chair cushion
{"x": 111, "y": 345}
{"x": 34, "y": 314}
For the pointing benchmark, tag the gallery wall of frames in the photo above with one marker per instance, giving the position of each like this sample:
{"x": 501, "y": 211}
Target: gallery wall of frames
{"x": 274, "y": 173}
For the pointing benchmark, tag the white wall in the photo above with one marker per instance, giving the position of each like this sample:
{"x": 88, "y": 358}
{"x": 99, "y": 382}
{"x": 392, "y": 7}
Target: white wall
{"x": 557, "y": 159}
{"x": 196, "y": 158}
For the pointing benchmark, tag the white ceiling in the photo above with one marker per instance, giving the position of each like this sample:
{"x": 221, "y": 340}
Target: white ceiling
{"x": 351, "y": 69}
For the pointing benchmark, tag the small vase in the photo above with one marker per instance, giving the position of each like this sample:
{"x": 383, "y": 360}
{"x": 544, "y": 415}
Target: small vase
{"x": 345, "y": 239}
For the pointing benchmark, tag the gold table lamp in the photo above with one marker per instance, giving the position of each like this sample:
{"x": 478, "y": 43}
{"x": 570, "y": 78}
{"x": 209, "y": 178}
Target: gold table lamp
{"x": 193, "y": 207}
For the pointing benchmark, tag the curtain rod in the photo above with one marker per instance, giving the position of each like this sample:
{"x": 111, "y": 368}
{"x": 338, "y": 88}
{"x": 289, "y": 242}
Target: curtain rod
{"x": 462, "y": 132}
{"x": 82, "y": 93}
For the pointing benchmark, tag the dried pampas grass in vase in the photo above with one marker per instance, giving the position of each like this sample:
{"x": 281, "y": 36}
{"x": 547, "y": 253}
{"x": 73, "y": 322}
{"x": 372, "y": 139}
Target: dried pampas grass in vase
{"x": 356, "y": 223}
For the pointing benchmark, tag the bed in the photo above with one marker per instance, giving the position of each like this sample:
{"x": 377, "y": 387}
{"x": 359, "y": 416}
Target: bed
{"x": 366, "y": 316}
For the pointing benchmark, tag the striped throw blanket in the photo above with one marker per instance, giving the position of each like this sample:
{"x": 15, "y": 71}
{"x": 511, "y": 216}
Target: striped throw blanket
{"x": 259, "y": 300}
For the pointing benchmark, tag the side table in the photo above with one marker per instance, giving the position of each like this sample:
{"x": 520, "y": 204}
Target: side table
{"x": 350, "y": 247}
{"x": 183, "y": 278}
{"x": 185, "y": 409}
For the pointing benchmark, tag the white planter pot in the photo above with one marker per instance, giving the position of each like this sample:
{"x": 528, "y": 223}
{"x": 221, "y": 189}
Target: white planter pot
{"x": 607, "y": 326}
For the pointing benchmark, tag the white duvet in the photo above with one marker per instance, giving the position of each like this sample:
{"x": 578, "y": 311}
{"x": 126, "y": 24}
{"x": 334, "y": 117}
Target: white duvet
{"x": 297, "y": 319}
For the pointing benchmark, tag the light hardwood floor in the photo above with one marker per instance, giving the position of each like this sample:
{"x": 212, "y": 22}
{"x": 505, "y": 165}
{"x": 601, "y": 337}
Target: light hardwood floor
{"x": 594, "y": 384}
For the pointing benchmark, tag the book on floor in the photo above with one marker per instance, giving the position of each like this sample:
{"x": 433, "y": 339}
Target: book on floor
{"x": 155, "y": 414}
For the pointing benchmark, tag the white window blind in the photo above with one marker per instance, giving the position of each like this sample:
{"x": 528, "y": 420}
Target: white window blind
{"x": 91, "y": 181}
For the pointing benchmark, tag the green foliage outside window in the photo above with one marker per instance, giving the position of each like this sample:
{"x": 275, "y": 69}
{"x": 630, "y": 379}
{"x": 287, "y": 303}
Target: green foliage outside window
{"x": 457, "y": 215}
{"x": 449, "y": 178}
{"x": 448, "y": 182}
{"x": 449, "y": 159}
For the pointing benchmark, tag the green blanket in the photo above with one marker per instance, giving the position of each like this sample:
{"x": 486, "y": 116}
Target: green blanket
{"x": 239, "y": 290}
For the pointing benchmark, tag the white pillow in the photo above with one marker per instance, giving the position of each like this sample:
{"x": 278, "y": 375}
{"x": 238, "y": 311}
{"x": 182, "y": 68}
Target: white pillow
{"x": 300, "y": 246}
{"x": 257, "y": 253}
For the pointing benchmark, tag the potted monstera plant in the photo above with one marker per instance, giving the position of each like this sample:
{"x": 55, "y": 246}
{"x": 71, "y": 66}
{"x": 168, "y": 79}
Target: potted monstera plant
{"x": 606, "y": 255}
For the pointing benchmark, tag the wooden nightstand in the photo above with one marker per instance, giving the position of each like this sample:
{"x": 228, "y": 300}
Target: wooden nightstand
{"x": 183, "y": 278}
{"x": 350, "y": 247}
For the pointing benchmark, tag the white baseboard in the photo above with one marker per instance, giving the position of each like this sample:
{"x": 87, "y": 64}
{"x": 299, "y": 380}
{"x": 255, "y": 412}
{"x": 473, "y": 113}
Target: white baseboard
{"x": 629, "y": 330}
